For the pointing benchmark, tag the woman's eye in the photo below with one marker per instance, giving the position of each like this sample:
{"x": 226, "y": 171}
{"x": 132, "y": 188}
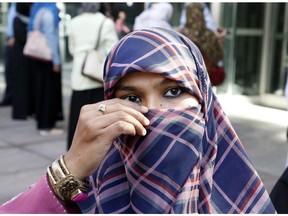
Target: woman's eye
{"x": 173, "y": 92}
{"x": 132, "y": 98}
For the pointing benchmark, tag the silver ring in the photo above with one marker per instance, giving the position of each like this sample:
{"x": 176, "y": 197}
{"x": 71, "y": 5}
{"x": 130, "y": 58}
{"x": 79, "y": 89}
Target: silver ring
{"x": 102, "y": 108}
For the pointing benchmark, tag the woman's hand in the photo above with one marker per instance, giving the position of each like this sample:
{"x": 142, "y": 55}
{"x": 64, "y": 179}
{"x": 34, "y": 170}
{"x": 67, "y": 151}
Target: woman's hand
{"x": 96, "y": 131}
{"x": 221, "y": 34}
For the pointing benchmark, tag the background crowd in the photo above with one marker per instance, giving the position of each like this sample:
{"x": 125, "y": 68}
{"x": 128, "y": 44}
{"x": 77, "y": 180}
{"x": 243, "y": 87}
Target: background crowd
{"x": 33, "y": 87}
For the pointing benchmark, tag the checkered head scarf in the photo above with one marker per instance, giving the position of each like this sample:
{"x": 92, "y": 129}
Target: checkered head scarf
{"x": 190, "y": 160}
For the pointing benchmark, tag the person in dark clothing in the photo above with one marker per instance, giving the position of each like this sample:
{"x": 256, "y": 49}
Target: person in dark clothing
{"x": 131, "y": 11}
{"x": 279, "y": 194}
{"x": 22, "y": 78}
{"x": 47, "y": 75}
{"x": 82, "y": 39}
{"x": 106, "y": 9}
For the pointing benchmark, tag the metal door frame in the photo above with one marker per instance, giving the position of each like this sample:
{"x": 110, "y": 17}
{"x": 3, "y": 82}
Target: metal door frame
{"x": 266, "y": 98}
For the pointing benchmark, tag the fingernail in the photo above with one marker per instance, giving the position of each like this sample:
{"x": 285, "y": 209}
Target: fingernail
{"x": 144, "y": 132}
{"x": 146, "y": 121}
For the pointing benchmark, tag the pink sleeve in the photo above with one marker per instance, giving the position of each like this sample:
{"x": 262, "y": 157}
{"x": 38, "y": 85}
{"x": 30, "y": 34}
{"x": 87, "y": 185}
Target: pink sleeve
{"x": 39, "y": 198}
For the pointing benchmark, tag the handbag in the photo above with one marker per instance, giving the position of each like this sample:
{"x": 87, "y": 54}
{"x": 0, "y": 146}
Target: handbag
{"x": 94, "y": 61}
{"x": 36, "y": 45}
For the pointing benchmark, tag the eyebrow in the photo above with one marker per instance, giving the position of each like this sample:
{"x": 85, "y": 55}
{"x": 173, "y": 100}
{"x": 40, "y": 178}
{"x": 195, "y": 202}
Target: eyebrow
{"x": 166, "y": 81}
{"x": 120, "y": 87}
{"x": 125, "y": 88}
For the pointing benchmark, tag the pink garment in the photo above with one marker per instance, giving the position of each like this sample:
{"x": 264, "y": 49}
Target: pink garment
{"x": 121, "y": 26}
{"x": 38, "y": 199}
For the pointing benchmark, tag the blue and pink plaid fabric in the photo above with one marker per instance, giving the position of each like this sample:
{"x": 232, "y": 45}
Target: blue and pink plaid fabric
{"x": 191, "y": 160}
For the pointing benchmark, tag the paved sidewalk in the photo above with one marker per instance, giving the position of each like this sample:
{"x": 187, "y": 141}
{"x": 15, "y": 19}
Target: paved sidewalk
{"x": 24, "y": 154}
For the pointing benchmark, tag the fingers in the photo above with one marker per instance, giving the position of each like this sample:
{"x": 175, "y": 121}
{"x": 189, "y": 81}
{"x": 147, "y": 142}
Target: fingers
{"x": 120, "y": 112}
{"x": 122, "y": 122}
{"x": 122, "y": 127}
{"x": 116, "y": 109}
{"x": 116, "y": 104}
{"x": 124, "y": 117}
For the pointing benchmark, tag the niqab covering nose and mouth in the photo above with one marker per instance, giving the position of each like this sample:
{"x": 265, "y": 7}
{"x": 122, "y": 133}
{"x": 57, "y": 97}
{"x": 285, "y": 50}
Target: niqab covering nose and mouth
{"x": 191, "y": 160}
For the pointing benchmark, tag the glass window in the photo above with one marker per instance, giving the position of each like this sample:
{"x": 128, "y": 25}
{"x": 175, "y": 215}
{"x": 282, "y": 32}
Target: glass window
{"x": 250, "y": 15}
{"x": 248, "y": 55}
{"x": 245, "y": 22}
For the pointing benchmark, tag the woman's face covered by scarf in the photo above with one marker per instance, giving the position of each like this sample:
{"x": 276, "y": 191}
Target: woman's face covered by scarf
{"x": 189, "y": 159}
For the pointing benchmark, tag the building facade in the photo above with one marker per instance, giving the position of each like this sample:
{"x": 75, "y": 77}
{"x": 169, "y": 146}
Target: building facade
{"x": 256, "y": 55}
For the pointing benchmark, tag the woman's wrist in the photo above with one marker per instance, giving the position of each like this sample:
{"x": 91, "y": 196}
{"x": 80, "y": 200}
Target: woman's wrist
{"x": 73, "y": 164}
{"x": 66, "y": 186}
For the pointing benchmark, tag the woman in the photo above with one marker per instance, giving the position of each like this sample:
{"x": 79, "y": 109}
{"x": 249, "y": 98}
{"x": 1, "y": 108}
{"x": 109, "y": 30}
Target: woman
{"x": 180, "y": 156}
{"x": 84, "y": 32}
{"x": 22, "y": 105}
{"x": 120, "y": 24}
{"x": 210, "y": 45}
{"x": 47, "y": 75}
{"x": 158, "y": 15}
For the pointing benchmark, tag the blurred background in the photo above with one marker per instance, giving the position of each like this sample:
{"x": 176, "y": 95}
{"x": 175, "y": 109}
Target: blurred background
{"x": 255, "y": 48}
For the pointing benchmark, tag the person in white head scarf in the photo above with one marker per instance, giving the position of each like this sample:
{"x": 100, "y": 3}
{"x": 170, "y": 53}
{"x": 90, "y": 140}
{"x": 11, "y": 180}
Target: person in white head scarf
{"x": 158, "y": 15}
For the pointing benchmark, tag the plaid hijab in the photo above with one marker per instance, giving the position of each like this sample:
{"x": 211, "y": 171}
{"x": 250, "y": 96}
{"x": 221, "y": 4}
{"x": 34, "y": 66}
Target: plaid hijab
{"x": 191, "y": 160}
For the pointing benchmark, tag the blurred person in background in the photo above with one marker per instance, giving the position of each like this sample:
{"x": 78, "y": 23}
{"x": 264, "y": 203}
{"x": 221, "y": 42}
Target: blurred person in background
{"x": 106, "y": 9}
{"x": 131, "y": 9}
{"x": 8, "y": 57}
{"x": 84, "y": 30}
{"x": 198, "y": 29}
{"x": 47, "y": 75}
{"x": 158, "y": 15}
{"x": 209, "y": 21}
{"x": 121, "y": 28}
{"x": 22, "y": 105}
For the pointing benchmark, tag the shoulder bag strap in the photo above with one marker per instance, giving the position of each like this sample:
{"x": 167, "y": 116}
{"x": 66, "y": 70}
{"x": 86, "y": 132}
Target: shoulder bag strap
{"x": 99, "y": 34}
{"x": 40, "y": 18}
